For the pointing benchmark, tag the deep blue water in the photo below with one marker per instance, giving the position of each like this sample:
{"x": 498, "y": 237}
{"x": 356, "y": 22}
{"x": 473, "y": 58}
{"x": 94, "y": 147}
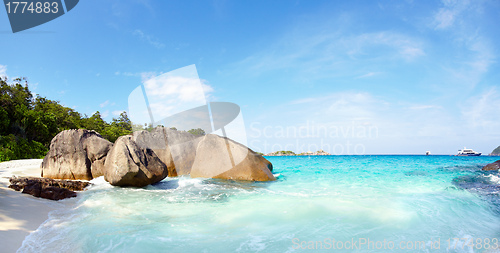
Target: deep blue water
{"x": 319, "y": 202}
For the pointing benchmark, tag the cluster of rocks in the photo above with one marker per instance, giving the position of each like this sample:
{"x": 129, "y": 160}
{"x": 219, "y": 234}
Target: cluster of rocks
{"x": 144, "y": 158}
{"x": 47, "y": 188}
{"x": 291, "y": 153}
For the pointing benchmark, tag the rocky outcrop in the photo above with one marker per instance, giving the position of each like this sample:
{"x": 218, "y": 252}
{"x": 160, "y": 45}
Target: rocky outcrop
{"x": 128, "y": 164}
{"x": 495, "y": 152}
{"x": 281, "y": 153}
{"x": 183, "y": 148}
{"x": 176, "y": 149}
{"x": 47, "y": 188}
{"x": 223, "y": 158}
{"x": 492, "y": 166}
{"x": 145, "y": 158}
{"x": 76, "y": 154}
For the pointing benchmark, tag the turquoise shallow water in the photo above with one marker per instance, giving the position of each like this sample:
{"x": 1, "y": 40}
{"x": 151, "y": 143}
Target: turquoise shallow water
{"x": 318, "y": 201}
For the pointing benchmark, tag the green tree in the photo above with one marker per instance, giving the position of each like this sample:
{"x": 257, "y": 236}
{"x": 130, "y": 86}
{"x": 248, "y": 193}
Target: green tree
{"x": 118, "y": 127}
{"x": 28, "y": 124}
{"x": 197, "y": 132}
{"x": 496, "y": 151}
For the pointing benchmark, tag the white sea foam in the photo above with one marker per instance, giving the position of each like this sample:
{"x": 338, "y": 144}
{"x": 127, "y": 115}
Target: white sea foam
{"x": 310, "y": 204}
{"x": 99, "y": 183}
{"x": 494, "y": 178}
{"x": 185, "y": 182}
{"x": 254, "y": 244}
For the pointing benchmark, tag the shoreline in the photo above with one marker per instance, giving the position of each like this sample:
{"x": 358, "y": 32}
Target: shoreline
{"x": 265, "y": 155}
{"x": 21, "y": 214}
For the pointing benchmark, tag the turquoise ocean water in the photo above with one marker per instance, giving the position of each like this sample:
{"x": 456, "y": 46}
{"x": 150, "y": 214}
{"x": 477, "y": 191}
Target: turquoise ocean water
{"x": 327, "y": 203}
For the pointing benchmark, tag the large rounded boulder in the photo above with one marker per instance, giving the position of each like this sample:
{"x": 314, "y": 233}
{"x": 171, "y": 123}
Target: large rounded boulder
{"x": 176, "y": 149}
{"x": 223, "y": 158}
{"x": 127, "y": 164}
{"x": 76, "y": 154}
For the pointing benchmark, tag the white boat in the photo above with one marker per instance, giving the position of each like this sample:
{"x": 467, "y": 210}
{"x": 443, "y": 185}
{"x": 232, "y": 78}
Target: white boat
{"x": 468, "y": 152}
{"x": 427, "y": 152}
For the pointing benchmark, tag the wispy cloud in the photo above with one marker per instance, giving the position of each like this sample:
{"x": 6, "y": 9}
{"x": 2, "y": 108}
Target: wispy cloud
{"x": 481, "y": 111}
{"x": 396, "y": 44}
{"x": 335, "y": 53}
{"x": 148, "y": 38}
{"x": 369, "y": 74}
{"x": 117, "y": 112}
{"x": 127, "y": 8}
{"x": 3, "y": 70}
{"x": 425, "y": 107}
{"x": 447, "y": 16}
{"x": 104, "y": 104}
{"x": 474, "y": 52}
{"x": 105, "y": 114}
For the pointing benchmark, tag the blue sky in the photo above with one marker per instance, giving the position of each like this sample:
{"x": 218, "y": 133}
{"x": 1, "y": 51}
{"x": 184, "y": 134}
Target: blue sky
{"x": 351, "y": 77}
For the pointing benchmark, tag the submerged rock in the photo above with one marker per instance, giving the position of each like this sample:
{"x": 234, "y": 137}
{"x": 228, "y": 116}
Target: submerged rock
{"x": 76, "y": 154}
{"x": 492, "y": 166}
{"x": 127, "y": 164}
{"x": 223, "y": 158}
{"x": 47, "y": 188}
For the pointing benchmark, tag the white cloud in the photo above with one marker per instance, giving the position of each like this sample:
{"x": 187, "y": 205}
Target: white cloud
{"x": 105, "y": 114}
{"x": 336, "y": 107}
{"x": 405, "y": 46}
{"x": 444, "y": 18}
{"x": 3, "y": 70}
{"x": 447, "y": 16}
{"x": 104, "y": 104}
{"x": 424, "y": 107}
{"x": 482, "y": 111}
{"x": 117, "y": 113}
{"x": 168, "y": 94}
{"x": 323, "y": 53}
{"x": 369, "y": 74}
{"x": 181, "y": 88}
{"x": 469, "y": 51}
{"x": 149, "y": 39}
{"x": 483, "y": 54}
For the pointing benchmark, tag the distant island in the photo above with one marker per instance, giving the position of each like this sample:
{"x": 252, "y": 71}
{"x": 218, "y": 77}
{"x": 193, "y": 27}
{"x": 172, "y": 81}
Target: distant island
{"x": 495, "y": 152}
{"x": 291, "y": 153}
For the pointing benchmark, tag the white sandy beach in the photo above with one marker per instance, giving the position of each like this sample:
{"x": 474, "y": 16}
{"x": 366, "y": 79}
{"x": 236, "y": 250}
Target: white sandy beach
{"x": 20, "y": 214}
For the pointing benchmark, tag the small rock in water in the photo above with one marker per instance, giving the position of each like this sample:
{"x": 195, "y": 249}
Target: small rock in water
{"x": 492, "y": 166}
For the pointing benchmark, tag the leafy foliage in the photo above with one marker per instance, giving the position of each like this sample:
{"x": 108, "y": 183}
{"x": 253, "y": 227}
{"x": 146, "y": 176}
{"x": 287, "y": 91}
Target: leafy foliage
{"x": 28, "y": 124}
{"x": 197, "y": 132}
{"x": 285, "y": 152}
{"x": 496, "y": 151}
